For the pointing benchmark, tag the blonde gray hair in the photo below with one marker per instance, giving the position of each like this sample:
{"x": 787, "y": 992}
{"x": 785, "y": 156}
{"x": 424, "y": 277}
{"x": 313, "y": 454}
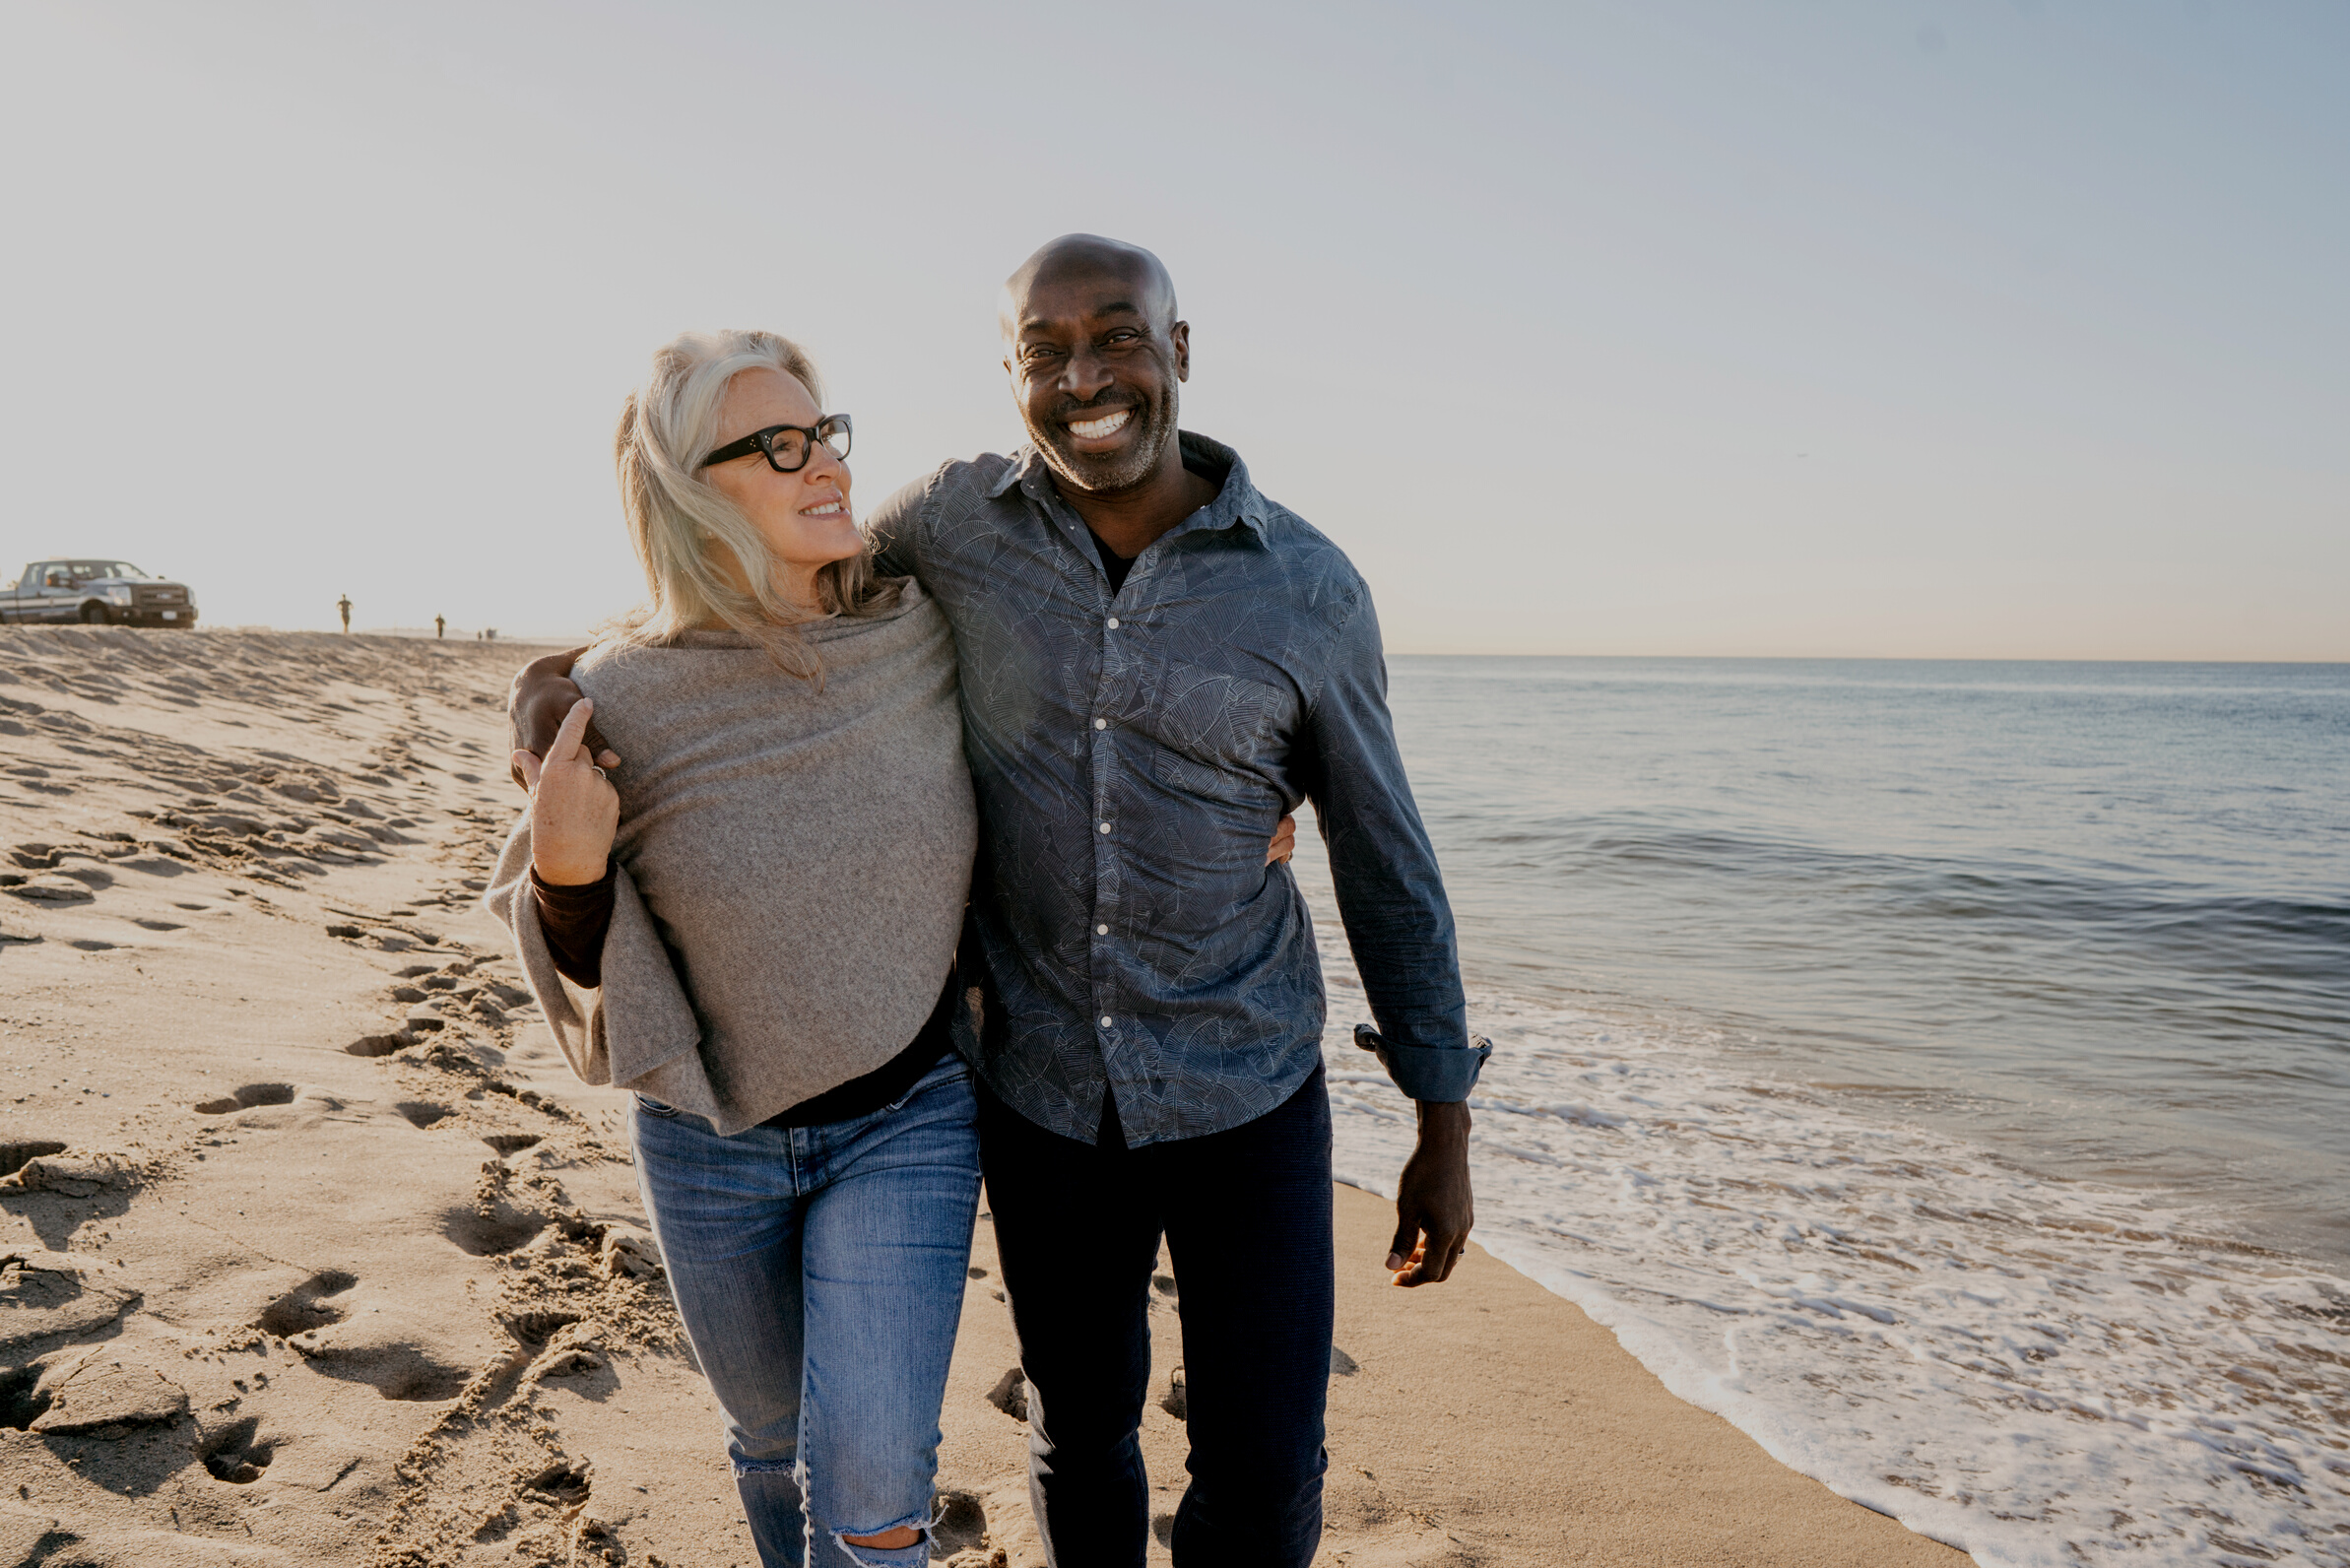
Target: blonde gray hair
{"x": 679, "y": 524}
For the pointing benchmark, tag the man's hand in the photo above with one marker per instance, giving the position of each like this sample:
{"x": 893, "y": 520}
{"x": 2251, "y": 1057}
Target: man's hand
{"x": 1284, "y": 842}
{"x": 574, "y": 810}
{"x": 1434, "y": 1206}
{"x": 536, "y": 705}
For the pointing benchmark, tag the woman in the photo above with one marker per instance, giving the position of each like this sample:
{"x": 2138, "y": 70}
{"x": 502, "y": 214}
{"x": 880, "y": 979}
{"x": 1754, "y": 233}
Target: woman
{"x": 760, "y": 915}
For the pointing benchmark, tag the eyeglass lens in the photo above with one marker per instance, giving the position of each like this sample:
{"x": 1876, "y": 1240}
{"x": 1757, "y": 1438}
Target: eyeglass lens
{"x": 789, "y": 449}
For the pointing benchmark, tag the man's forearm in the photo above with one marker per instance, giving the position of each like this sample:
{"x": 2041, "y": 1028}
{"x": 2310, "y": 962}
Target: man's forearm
{"x": 540, "y": 695}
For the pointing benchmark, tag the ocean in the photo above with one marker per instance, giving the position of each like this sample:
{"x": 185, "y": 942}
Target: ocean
{"x": 1941, "y": 1069}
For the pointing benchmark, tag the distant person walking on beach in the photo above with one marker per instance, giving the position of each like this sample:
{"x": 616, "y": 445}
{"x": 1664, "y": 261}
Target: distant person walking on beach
{"x": 806, "y": 1136}
{"x": 343, "y": 604}
{"x": 1156, "y": 661}
{"x": 440, "y": 628}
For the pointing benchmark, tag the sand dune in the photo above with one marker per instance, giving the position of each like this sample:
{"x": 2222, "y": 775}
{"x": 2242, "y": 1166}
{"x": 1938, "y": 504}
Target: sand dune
{"x": 311, "y": 1251}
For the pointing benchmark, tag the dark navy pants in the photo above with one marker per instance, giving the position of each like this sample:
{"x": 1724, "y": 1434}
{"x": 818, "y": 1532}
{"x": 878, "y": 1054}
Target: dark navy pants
{"x": 1246, "y": 1214}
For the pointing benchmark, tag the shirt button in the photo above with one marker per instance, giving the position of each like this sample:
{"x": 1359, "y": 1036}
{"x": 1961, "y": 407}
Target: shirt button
{"x": 1101, "y": 724}
{"x": 1102, "y": 930}
{"x": 1105, "y": 1020}
{"x": 1105, "y": 827}
{"x": 1113, "y": 623}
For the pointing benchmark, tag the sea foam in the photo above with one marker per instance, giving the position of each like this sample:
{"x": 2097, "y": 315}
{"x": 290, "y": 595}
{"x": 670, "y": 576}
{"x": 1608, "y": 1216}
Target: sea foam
{"x": 2041, "y": 1372}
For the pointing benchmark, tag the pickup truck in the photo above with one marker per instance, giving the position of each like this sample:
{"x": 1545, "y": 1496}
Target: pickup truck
{"x": 98, "y": 592}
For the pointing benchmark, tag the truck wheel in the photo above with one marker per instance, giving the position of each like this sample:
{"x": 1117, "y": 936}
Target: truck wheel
{"x": 95, "y": 615}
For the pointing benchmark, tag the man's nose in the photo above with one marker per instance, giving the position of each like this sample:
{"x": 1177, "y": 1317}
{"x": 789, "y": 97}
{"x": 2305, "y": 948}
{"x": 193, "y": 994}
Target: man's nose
{"x": 1085, "y": 375}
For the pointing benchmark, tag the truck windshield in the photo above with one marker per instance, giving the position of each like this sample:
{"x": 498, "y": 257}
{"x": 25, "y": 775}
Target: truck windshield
{"x": 87, "y": 569}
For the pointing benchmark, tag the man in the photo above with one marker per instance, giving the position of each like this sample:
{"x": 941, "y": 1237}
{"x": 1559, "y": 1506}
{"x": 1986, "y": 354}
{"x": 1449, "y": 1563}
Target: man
{"x": 1157, "y": 663}
{"x": 343, "y": 604}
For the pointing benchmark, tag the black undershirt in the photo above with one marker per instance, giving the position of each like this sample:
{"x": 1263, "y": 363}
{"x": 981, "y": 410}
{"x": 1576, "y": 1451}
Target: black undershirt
{"x": 1114, "y": 566}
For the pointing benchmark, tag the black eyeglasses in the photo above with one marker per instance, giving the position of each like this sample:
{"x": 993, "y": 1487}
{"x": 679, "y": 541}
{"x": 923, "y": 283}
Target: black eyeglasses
{"x": 787, "y": 448}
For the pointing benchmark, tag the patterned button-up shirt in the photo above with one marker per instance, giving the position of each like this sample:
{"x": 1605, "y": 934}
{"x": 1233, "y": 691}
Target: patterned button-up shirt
{"x": 1132, "y": 752}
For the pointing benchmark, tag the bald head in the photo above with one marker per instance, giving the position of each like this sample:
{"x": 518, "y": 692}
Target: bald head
{"x": 1096, "y": 357}
{"x": 1088, "y": 259}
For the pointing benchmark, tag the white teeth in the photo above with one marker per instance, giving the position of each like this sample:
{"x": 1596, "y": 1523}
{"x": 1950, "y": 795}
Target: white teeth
{"x": 828, "y": 509}
{"x": 1108, "y": 425}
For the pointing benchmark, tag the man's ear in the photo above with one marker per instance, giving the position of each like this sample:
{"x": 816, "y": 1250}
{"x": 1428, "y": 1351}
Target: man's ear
{"x": 1181, "y": 334}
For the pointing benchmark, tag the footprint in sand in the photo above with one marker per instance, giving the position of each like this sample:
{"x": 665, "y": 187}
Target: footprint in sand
{"x": 1010, "y": 1394}
{"x": 305, "y": 1307}
{"x": 422, "y": 1113}
{"x": 246, "y": 1098}
{"x": 22, "y": 1401}
{"x": 397, "y": 1370}
{"x": 507, "y": 1144}
{"x": 14, "y": 1156}
{"x": 50, "y": 889}
{"x": 532, "y": 1330}
{"x": 237, "y": 1453}
{"x": 503, "y": 1228}
{"x": 379, "y": 1044}
{"x": 567, "y": 1482}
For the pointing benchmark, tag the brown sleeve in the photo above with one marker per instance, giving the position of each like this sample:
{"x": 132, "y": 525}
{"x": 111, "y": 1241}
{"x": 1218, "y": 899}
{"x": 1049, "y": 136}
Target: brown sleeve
{"x": 573, "y": 920}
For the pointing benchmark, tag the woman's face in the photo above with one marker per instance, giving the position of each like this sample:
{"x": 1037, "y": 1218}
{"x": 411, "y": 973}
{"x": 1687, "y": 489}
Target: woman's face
{"x": 805, "y": 515}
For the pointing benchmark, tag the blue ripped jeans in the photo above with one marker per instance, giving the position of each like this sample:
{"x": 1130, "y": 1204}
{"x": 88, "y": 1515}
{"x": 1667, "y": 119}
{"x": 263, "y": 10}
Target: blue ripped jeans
{"x": 820, "y": 1272}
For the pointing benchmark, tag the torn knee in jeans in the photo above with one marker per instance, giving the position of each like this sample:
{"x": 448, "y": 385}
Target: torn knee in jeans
{"x": 899, "y": 1546}
{"x": 897, "y": 1539}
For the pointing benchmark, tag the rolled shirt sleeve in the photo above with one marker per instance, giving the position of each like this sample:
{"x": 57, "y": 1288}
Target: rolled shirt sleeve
{"x": 1391, "y": 894}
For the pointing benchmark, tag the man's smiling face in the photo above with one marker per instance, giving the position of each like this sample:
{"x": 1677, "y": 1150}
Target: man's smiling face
{"x": 1095, "y": 355}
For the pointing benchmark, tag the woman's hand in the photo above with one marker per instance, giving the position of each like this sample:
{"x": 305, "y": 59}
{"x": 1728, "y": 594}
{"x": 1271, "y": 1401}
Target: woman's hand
{"x": 574, "y": 810}
{"x": 1283, "y": 845}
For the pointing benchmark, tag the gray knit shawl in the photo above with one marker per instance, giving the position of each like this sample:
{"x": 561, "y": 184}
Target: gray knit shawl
{"x": 792, "y": 865}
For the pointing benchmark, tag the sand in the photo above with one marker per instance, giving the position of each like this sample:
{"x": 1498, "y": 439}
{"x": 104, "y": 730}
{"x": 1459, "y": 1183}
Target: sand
{"x": 314, "y": 1253}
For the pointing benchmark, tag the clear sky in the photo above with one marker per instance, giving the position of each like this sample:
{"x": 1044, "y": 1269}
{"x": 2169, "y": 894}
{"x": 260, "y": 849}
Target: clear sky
{"x": 1990, "y": 329}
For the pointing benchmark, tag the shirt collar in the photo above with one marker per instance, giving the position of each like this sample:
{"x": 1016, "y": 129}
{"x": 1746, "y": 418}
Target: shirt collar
{"x": 1236, "y": 499}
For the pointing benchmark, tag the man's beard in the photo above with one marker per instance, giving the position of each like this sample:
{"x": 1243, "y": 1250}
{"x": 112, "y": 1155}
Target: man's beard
{"x": 1103, "y": 471}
